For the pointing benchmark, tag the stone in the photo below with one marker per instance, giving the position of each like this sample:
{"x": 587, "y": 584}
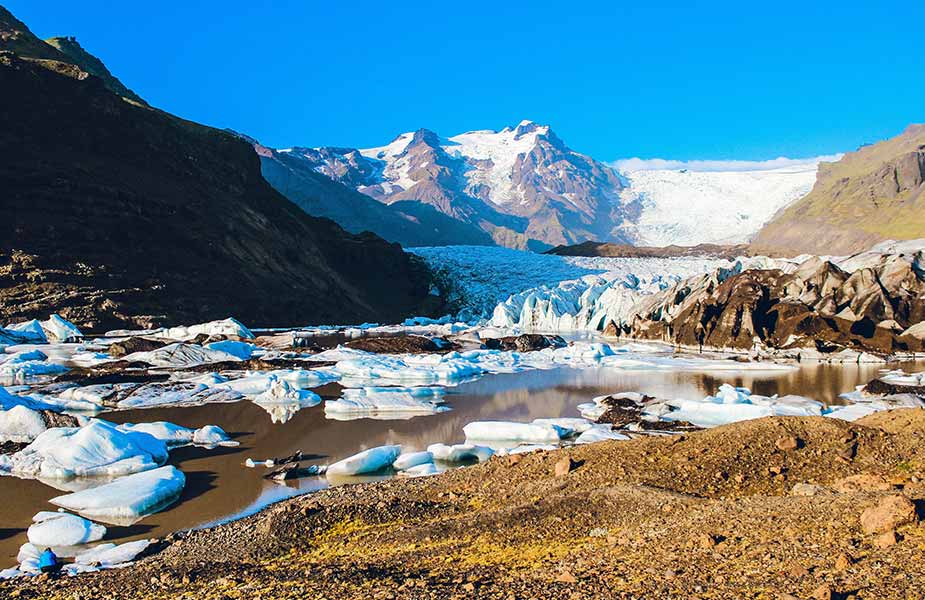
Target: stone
{"x": 863, "y": 482}
{"x": 787, "y": 443}
{"x": 566, "y": 577}
{"x": 886, "y": 539}
{"x": 564, "y": 466}
{"x": 842, "y": 562}
{"x": 823, "y": 592}
{"x": 889, "y": 513}
{"x": 806, "y": 489}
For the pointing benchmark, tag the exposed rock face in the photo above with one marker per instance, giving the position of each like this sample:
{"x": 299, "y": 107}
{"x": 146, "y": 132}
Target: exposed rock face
{"x": 818, "y": 305}
{"x": 874, "y": 194}
{"x": 522, "y": 185}
{"x": 71, "y": 48}
{"x": 116, "y": 214}
{"x": 628, "y": 251}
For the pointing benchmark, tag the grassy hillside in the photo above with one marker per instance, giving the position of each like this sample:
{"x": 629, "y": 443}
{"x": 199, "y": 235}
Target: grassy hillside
{"x": 870, "y": 195}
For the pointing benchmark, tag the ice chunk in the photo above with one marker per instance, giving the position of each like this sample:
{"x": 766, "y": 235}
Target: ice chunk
{"x": 241, "y": 350}
{"x": 421, "y": 470}
{"x": 58, "y": 329}
{"x": 368, "y": 461}
{"x": 733, "y": 404}
{"x": 227, "y": 327}
{"x": 30, "y": 331}
{"x": 176, "y": 435}
{"x": 258, "y": 382}
{"x": 599, "y": 433}
{"x": 212, "y": 435}
{"x": 574, "y": 425}
{"x": 412, "y": 459}
{"x": 112, "y": 555}
{"x": 172, "y": 393}
{"x": 97, "y": 449}
{"x": 181, "y": 355}
{"x": 63, "y": 529}
{"x": 281, "y": 400}
{"x": 20, "y": 424}
{"x": 393, "y": 401}
{"x": 508, "y": 431}
{"x": 127, "y": 499}
{"x": 460, "y": 452}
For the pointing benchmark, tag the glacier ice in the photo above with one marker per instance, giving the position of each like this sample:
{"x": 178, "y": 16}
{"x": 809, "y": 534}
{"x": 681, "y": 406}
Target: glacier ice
{"x": 508, "y": 431}
{"x": 391, "y": 402}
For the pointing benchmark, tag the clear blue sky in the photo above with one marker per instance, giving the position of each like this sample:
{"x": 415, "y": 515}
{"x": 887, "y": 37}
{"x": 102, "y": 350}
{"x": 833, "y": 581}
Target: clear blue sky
{"x": 681, "y": 80}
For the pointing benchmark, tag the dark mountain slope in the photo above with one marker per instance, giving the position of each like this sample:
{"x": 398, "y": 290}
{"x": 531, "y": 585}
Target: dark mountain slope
{"x": 115, "y": 213}
{"x": 92, "y": 65}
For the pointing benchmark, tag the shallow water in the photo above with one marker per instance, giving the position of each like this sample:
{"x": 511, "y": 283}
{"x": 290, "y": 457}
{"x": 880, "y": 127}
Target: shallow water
{"x": 219, "y": 487}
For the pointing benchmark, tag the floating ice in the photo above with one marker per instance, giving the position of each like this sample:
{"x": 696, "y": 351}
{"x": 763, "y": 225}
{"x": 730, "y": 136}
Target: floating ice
{"x": 863, "y": 406}
{"x": 227, "y": 327}
{"x": 27, "y": 364}
{"x": 175, "y": 435}
{"x": 460, "y": 452}
{"x": 281, "y": 400}
{"x": 55, "y": 329}
{"x": 733, "y": 404}
{"x": 508, "y": 431}
{"x": 421, "y": 470}
{"x": 574, "y": 425}
{"x": 180, "y": 355}
{"x": 412, "y": 459}
{"x": 56, "y": 529}
{"x": 20, "y": 424}
{"x": 258, "y": 382}
{"x": 127, "y": 499}
{"x": 368, "y": 461}
{"x": 599, "y": 433}
{"x": 171, "y": 393}
{"x": 241, "y": 350}
{"x": 97, "y": 449}
{"x": 392, "y": 402}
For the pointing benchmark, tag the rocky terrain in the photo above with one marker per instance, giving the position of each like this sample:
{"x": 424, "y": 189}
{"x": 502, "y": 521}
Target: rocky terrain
{"x": 876, "y": 308}
{"x": 115, "y": 213}
{"x": 630, "y": 251}
{"x": 873, "y": 194}
{"x": 783, "y": 507}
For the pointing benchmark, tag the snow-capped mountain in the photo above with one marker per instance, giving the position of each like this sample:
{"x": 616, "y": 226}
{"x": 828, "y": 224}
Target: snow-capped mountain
{"x": 525, "y": 188}
{"x": 522, "y": 185}
{"x": 686, "y": 207}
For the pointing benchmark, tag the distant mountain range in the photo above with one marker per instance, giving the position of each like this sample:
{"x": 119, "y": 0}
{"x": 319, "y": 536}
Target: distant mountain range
{"x": 870, "y": 195}
{"x": 523, "y": 187}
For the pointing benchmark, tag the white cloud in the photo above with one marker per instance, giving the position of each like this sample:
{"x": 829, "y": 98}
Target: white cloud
{"x": 627, "y": 165}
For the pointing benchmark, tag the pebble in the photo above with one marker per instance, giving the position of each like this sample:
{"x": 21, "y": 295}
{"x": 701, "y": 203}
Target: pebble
{"x": 564, "y": 466}
{"x": 889, "y": 513}
{"x": 787, "y": 443}
{"x": 886, "y": 539}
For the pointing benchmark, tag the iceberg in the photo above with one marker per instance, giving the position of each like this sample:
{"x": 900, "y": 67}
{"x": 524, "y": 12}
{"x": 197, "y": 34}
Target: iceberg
{"x": 732, "y": 404}
{"x": 282, "y": 400}
{"x": 20, "y": 424}
{"x": 127, "y": 499}
{"x": 599, "y": 433}
{"x": 460, "y": 452}
{"x": 57, "y": 529}
{"x": 54, "y": 329}
{"x": 368, "y": 461}
{"x": 574, "y": 425}
{"x": 181, "y": 355}
{"x": 395, "y": 402}
{"x": 240, "y": 350}
{"x": 171, "y": 393}
{"x": 99, "y": 449}
{"x": 409, "y": 460}
{"x": 176, "y": 435}
{"x": 226, "y": 327}
{"x": 508, "y": 431}
{"x": 421, "y": 470}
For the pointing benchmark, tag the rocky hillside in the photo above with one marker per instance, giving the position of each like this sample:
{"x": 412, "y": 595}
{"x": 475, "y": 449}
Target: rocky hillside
{"x": 522, "y": 185}
{"x": 818, "y": 305}
{"x": 628, "y": 251}
{"x": 873, "y": 194}
{"x": 114, "y": 213}
{"x": 408, "y": 223}
{"x": 76, "y": 54}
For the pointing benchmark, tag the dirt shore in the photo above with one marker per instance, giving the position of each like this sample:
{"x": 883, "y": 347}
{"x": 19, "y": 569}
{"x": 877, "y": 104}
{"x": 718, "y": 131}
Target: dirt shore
{"x": 800, "y": 507}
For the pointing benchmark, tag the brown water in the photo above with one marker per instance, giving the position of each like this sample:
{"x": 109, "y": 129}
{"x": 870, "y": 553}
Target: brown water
{"x": 219, "y": 487}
